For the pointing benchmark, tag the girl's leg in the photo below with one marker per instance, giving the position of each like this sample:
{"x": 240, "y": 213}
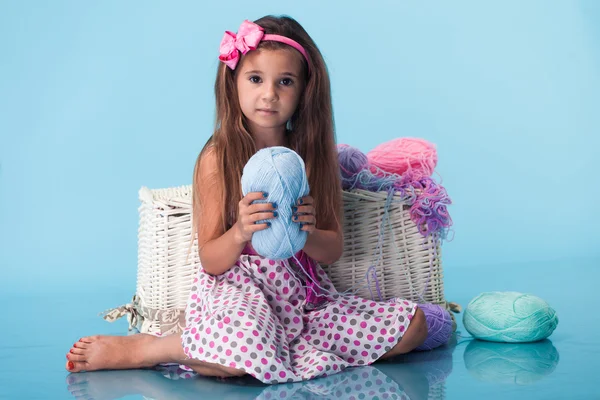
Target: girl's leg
{"x": 136, "y": 351}
{"x": 414, "y": 337}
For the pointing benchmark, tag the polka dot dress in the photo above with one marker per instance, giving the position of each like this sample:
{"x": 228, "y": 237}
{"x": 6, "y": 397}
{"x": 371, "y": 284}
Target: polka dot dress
{"x": 253, "y": 317}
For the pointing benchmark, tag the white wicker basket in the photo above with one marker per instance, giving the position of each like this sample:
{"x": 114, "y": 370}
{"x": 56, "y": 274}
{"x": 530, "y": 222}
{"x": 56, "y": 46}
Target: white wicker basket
{"x": 407, "y": 265}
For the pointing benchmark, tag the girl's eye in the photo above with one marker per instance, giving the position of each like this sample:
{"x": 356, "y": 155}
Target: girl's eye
{"x": 287, "y": 82}
{"x": 255, "y": 79}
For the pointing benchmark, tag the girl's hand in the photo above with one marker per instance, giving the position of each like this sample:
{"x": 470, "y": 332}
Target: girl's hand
{"x": 304, "y": 214}
{"x": 249, "y": 214}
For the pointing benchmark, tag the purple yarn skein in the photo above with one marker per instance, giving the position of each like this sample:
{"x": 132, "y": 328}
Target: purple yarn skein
{"x": 439, "y": 326}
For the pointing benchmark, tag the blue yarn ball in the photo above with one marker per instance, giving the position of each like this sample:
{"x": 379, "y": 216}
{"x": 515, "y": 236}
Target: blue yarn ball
{"x": 281, "y": 173}
{"x": 509, "y": 317}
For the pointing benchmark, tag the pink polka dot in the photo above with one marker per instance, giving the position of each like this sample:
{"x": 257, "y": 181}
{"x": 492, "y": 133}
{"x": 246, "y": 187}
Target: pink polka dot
{"x": 286, "y": 290}
{"x": 301, "y": 347}
{"x": 320, "y": 368}
{"x": 288, "y": 308}
{"x": 244, "y": 349}
{"x": 225, "y": 339}
{"x": 194, "y": 296}
{"x": 377, "y": 347}
{"x": 255, "y": 332}
{"x": 351, "y": 360}
{"x": 344, "y": 349}
{"x": 409, "y": 316}
{"x": 350, "y": 331}
{"x": 344, "y": 319}
{"x": 257, "y": 262}
{"x": 264, "y": 361}
{"x": 246, "y": 280}
{"x": 356, "y": 343}
{"x": 211, "y": 344}
{"x": 335, "y": 367}
{"x": 241, "y": 313}
{"x": 402, "y": 328}
{"x": 248, "y": 323}
{"x": 365, "y": 353}
{"x": 391, "y": 339}
{"x": 232, "y": 364}
{"x": 282, "y": 374}
{"x": 363, "y": 324}
{"x": 240, "y": 334}
{"x": 220, "y": 325}
{"x": 259, "y": 346}
{"x": 226, "y": 320}
{"x": 325, "y": 344}
{"x": 296, "y": 320}
{"x": 272, "y": 275}
{"x": 200, "y": 350}
{"x": 193, "y": 330}
{"x": 383, "y": 331}
{"x": 197, "y": 336}
{"x": 322, "y": 333}
{"x": 370, "y": 337}
{"x": 267, "y": 375}
{"x": 324, "y": 358}
{"x": 228, "y": 352}
{"x": 248, "y": 363}
{"x": 208, "y": 331}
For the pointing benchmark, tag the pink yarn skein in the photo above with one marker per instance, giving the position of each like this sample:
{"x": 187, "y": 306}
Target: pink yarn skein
{"x": 411, "y": 156}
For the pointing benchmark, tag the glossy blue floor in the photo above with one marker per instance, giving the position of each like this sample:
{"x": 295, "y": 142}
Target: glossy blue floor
{"x": 561, "y": 367}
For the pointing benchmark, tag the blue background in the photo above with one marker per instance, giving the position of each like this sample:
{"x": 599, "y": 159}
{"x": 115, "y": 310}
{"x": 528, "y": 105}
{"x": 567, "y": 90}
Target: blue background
{"x": 100, "y": 98}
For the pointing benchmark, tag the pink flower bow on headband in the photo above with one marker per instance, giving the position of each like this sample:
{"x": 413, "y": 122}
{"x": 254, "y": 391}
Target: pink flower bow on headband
{"x": 248, "y": 37}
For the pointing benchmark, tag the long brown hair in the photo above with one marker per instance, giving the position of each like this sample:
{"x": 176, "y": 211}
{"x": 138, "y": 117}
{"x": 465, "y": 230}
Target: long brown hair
{"x": 311, "y": 133}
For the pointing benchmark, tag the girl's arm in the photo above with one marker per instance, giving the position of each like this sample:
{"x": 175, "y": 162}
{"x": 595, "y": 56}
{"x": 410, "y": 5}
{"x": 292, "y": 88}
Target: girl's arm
{"x": 325, "y": 246}
{"x": 219, "y": 250}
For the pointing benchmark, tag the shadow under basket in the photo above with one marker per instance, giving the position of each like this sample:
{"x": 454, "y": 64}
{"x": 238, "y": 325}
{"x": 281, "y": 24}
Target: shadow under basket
{"x": 379, "y": 241}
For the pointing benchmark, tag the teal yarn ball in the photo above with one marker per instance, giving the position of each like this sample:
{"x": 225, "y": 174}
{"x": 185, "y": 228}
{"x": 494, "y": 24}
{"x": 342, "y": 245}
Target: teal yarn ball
{"x": 281, "y": 173}
{"x": 509, "y": 317}
{"x": 510, "y": 363}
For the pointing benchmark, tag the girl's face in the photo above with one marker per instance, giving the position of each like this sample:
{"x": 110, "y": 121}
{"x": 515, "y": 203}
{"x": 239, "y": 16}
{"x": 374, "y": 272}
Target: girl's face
{"x": 269, "y": 86}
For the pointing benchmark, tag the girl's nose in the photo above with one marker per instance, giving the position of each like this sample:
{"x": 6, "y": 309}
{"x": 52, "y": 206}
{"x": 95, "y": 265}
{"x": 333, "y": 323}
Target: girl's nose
{"x": 270, "y": 93}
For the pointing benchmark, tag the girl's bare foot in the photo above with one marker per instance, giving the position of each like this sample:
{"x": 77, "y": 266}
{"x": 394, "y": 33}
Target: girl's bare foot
{"x": 119, "y": 352}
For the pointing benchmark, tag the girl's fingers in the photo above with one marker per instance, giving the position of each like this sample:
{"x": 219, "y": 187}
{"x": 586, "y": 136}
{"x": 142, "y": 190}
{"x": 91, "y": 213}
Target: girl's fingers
{"x": 305, "y": 200}
{"x": 309, "y": 209}
{"x": 253, "y": 196}
{"x": 264, "y": 215}
{"x": 261, "y": 207}
{"x": 258, "y": 227}
{"x": 305, "y": 219}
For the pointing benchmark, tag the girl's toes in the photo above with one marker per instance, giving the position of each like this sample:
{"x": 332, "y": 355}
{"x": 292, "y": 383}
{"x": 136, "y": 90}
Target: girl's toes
{"x": 81, "y": 345}
{"x": 75, "y": 357}
{"x": 88, "y": 339}
{"x": 73, "y": 366}
{"x": 77, "y": 351}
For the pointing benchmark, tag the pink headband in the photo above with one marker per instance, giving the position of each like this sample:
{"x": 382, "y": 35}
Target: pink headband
{"x": 248, "y": 37}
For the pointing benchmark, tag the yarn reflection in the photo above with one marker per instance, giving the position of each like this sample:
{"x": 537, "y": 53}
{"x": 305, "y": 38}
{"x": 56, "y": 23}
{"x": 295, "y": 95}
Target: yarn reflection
{"x": 511, "y": 363}
{"x": 415, "y": 376}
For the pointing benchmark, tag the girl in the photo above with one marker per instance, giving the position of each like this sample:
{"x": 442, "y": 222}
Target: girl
{"x": 248, "y": 314}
